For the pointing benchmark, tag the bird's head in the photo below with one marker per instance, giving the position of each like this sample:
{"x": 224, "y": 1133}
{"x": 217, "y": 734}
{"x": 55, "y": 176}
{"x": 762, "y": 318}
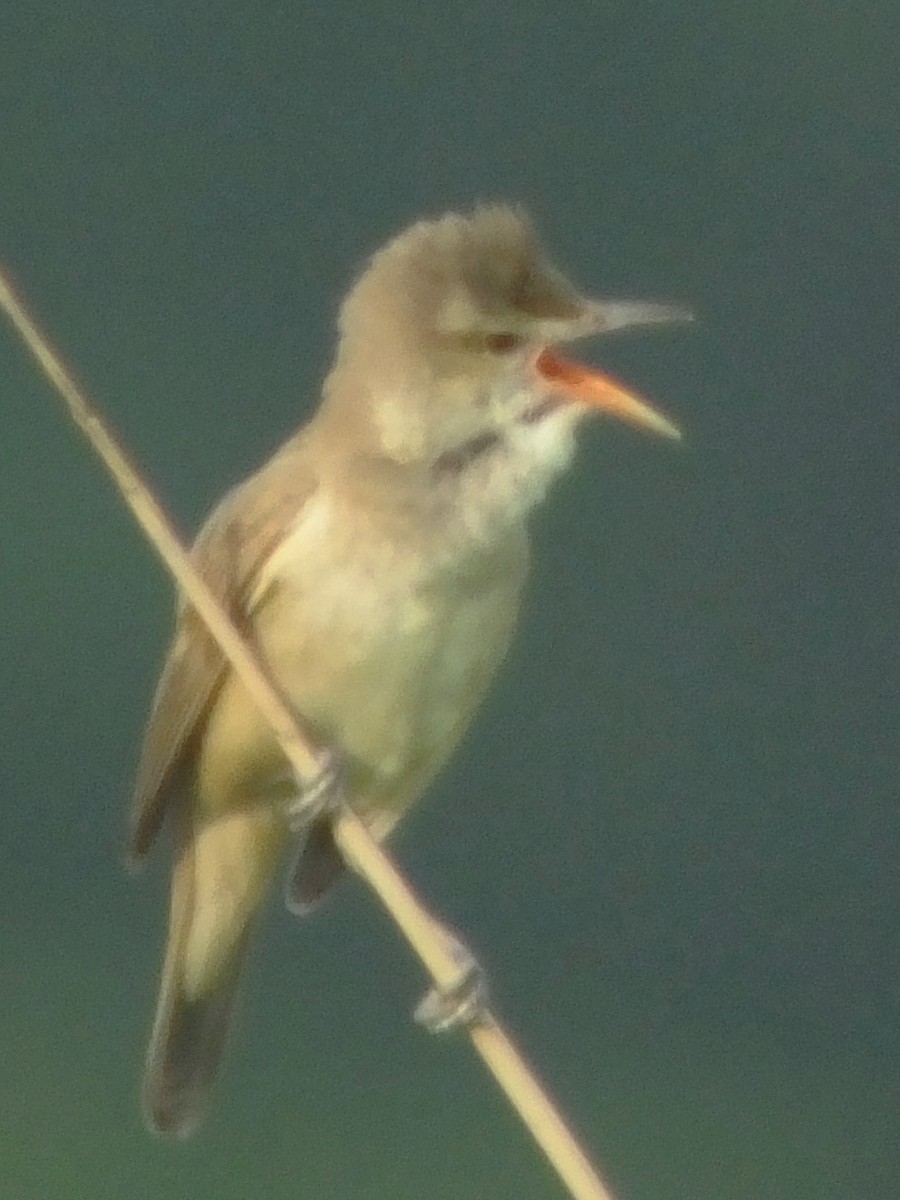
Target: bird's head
{"x": 450, "y": 332}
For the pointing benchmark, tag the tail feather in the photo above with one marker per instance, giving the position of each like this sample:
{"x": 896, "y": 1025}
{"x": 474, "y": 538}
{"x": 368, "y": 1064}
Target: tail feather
{"x": 219, "y": 879}
{"x": 184, "y": 1057}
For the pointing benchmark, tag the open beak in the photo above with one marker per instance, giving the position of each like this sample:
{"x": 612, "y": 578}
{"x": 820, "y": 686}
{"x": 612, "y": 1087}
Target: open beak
{"x": 571, "y": 381}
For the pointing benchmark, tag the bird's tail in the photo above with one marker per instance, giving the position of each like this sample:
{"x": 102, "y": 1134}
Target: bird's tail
{"x": 218, "y": 881}
{"x": 184, "y": 1056}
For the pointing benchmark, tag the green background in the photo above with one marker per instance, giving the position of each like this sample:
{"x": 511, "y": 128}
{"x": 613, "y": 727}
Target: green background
{"x": 673, "y": 834}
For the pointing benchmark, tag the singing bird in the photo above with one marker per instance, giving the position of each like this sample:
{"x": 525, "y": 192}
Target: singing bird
{"x": 376, "y": 564}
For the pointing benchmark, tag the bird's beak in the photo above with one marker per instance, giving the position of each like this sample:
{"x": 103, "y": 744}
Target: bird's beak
{"x": 571, "y": 381}
{"x": 609, "y": 316}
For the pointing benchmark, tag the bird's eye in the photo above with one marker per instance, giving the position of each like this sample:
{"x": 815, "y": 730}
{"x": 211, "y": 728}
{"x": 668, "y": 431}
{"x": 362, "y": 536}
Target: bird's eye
{"x": 503, "y": 343}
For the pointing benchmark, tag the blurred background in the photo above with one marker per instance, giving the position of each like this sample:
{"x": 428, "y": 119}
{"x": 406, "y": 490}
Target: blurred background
{"x": 672, "y": 836}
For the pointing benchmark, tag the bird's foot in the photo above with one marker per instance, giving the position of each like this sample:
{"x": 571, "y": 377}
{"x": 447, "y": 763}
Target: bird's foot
{"x": 316, "y": 863}
{"x": 461, "y": 1002}
{"x": 322, "y": 797}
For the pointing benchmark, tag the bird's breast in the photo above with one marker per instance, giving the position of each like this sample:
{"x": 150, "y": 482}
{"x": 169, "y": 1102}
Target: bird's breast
{"x": 385, "y": 642}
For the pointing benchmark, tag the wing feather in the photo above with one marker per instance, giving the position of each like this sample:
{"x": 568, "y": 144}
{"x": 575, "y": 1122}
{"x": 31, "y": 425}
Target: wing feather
{"x": 230, "y": 552}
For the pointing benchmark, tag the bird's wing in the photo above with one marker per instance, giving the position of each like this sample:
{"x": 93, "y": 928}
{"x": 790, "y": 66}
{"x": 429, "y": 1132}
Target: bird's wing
{"x": 230, "y": 552}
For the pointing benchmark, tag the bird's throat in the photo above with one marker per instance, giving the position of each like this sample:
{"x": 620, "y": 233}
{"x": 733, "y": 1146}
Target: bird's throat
{"x": 492, "y": 441}
{"x": 493, "y": 479}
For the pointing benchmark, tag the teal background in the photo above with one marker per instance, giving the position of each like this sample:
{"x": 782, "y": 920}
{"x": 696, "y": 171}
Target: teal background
{"x": 673, "y": 834}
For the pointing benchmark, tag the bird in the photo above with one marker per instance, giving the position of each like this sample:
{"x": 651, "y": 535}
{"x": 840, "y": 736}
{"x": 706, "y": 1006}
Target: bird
{"x": 375, "y": 564}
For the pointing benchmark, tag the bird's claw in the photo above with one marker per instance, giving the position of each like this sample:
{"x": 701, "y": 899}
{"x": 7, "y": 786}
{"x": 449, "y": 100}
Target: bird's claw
{"x": 462, "y": 1002}
{"x": 319, "y": 798}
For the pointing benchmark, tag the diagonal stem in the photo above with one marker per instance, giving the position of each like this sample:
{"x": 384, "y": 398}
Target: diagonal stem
{"x": 356, "y": 844}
